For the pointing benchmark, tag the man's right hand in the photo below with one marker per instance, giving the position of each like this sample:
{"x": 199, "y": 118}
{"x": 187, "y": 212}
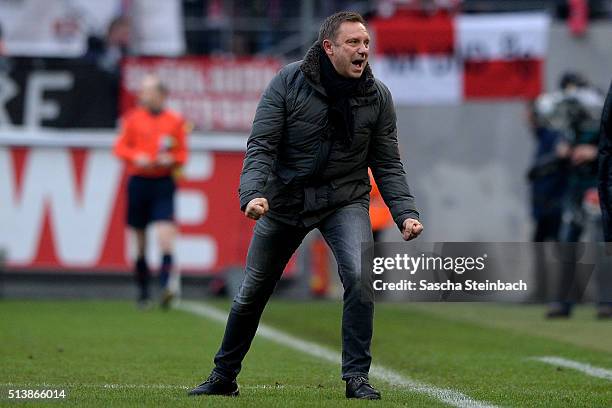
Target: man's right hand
{"x": 256, "y": 208}
{"x": 412, "y": 229}
{"x": 142, "y": 160}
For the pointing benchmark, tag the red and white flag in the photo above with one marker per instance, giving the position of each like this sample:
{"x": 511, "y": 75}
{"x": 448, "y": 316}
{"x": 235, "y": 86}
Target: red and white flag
{"x": 449, "y": 59}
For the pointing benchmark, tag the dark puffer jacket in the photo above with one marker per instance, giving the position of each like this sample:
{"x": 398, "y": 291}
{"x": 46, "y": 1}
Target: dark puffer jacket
{"x": 305, "y": 173}
{"x": 605, "y": 166}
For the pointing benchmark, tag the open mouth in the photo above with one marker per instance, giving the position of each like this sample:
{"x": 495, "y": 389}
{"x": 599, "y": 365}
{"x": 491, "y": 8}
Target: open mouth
{"x": 359, "y": 63}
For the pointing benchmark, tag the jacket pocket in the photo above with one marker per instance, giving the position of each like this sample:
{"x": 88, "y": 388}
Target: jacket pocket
{"x": 351, "y": 178}
{"x": 316, "y": 197}
{"x": 284, "y": 174}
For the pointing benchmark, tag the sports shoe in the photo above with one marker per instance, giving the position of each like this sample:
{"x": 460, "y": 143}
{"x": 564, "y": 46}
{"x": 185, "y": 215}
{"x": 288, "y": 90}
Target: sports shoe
{"x": 558, "y": 312}
{"x": 604, "y": 312}
{"x": 166, "y": 299}
{"x": 359, "y": 387}
{"x": 215, "y": 385}
{"x": 144, "y": 304}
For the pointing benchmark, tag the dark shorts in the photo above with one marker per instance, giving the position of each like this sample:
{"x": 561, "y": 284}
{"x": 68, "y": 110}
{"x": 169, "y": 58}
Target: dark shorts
{"x": 149, "y": 200}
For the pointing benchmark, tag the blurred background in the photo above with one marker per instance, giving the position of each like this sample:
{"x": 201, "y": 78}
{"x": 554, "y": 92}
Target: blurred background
{"x": 478, "y": 91}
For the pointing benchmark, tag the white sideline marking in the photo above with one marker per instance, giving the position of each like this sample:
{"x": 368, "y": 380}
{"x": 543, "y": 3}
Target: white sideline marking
{"x": 449, "y": 396}
{"x": 89, "y": 385}
{"x": 131, "y": 386}
{"x": 575, "y": 365}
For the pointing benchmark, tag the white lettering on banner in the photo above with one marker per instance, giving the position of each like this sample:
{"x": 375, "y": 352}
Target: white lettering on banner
{"x": 195, "y": 77}
{"x": 192, "y": 207}
{"x": 179, "y": 78}
{"x": 240, "y": 79}
{"x": 421, "y": 79}
{"x": 465, "y": 57}
{"x": 213, "y": 93}
{"x": 132, "y": 75}
{"x": 196, "y": 251}
{"x": 200, "y": 165}
{"x": 37, "y": 108}
{"x": 8, "y": 89}
{"x": 79, "y": 221}
{"x": 20, "y": 219}
{"x": 502, "y": 37}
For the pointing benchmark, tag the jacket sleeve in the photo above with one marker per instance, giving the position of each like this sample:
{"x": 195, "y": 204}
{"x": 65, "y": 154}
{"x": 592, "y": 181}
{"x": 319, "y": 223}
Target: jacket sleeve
{"x": 180, "y": 152}
{"x": 124, "y": 145}
{"x": 605, "y": 167}
{"x": 263, "y": 141}
{"x": 387, "y": 168}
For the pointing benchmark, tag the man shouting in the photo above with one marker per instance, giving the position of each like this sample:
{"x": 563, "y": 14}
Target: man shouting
{"x": 320, "y": 124}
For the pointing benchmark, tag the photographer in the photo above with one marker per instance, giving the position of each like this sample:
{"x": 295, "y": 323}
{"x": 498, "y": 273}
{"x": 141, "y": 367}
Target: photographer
{"x": 573, "y": 114}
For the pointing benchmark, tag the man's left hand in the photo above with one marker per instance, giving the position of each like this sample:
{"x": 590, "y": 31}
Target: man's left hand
{"x": 412, "y": 229}
{"x": 165, "y": 160}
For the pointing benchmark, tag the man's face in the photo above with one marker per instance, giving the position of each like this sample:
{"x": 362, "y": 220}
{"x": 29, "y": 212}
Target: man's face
{"x": 151, "y": 96}
{"x": 349, "y": 51}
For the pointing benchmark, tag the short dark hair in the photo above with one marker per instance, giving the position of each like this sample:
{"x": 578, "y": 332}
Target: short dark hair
{"x": 329, "y": 27}
{"x": 162, "y": 89}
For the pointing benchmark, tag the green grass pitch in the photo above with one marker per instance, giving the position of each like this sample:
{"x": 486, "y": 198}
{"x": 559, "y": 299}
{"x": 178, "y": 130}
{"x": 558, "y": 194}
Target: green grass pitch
{"x": 111, "y": 354}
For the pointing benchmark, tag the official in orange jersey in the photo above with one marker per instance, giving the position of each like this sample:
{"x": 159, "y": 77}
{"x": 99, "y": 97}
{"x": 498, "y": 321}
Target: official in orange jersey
{"x": 380, "y": 216}
{"x": 153, "y": 144}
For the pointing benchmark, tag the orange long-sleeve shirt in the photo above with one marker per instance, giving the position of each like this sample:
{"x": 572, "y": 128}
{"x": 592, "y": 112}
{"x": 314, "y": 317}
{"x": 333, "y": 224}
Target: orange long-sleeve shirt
{"x": 143, "y": 132}
{"x": 379, "y": 213}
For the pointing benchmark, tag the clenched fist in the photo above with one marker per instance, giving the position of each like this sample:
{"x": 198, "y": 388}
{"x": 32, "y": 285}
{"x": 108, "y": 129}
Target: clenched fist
{"x": 256, "y": 208}
{"x": 412, "y": 229}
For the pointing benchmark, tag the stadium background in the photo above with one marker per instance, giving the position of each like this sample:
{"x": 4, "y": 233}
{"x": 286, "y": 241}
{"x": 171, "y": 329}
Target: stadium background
{"x": 462, "y": 74}
{"x": 461, "y": 93}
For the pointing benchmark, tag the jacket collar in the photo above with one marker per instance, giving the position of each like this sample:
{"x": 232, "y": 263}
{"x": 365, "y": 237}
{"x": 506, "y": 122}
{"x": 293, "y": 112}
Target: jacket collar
{"x": 311, "y": 68}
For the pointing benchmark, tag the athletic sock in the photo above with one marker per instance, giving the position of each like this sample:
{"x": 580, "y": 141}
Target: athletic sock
{"x": 142, "y": 274}
{"x": 164, "y": 270}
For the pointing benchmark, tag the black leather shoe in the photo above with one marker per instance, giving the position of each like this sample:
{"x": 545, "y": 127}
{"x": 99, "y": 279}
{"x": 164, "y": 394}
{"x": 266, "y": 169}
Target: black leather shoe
{"x": 558, "y": 313}
{"x": 216, "y": 386}
{"x": 359, "y": 387}
{"x": 604, "y": 312}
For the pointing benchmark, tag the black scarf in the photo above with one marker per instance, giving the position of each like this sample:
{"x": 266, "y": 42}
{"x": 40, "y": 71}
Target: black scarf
{"x": 339, "y": 90}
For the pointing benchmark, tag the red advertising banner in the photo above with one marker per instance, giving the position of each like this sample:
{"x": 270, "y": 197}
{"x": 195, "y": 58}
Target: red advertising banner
{"x": 213, "y": 93}
{"x": 63, "y": 209}
{"x": 449, "y": 59}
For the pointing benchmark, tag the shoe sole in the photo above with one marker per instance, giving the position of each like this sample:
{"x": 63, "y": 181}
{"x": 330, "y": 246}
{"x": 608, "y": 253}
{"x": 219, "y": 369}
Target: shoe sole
{"x": 231, "y": 394}
{"x": 369, "y": 397}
